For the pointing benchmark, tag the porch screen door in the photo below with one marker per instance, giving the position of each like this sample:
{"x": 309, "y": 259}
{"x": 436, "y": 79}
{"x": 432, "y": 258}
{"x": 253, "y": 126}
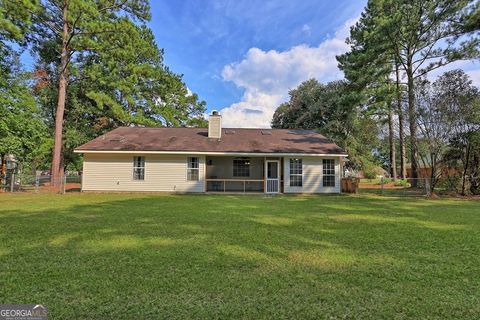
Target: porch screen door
{"x": 273, "y": 174}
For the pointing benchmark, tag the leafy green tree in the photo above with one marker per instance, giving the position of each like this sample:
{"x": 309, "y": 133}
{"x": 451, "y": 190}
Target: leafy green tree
{"x": 333, "y": 110}
{"x": 22, "y": 130}
{"x": 435, "y": 121}
{"x": 15, "y": 19}
{"x": 455, "y": 90}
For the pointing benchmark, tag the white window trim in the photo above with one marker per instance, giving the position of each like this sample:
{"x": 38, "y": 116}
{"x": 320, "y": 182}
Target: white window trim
{"x": 290, "y": 174}
{"x": 144, "y": 169}
{"x": 189, "y": 168}
{"x": 334, "y": 175}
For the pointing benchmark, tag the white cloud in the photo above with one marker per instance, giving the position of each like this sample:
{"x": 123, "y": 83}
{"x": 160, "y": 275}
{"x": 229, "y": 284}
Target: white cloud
{"x": 306, "y": 29}
{"x": 475, "y": 76}
{"x": 267, "y": 76}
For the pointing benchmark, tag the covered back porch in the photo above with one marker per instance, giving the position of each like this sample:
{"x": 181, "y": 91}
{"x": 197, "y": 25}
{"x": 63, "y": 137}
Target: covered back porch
{"x": 244, "y": 174}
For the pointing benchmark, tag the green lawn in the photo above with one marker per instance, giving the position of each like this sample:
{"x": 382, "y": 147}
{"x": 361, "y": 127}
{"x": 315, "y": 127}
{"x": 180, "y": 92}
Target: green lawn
{"x": 133, "y": 256}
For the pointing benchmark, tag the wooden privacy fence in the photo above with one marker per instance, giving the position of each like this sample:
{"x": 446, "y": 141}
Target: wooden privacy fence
{"x": 350, "y": 184}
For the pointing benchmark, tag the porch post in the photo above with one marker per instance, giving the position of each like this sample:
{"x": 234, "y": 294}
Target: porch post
{"x": 264, "y": 174}
{"x": 281, "y": 177}
{"x": 205, "y": 172}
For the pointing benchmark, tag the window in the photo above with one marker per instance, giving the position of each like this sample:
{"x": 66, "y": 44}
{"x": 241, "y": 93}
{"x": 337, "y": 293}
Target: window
{"x": 192, "y": 168}
{"x": 138, "y": 168}
{"x": 241, "y": 167}
{"x": 328, "y": 173}
{"x": 296, "y": 173}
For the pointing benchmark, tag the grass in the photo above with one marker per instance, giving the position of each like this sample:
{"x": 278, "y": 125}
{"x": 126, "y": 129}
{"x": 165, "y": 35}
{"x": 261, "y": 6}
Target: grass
{"x": 124, "y": 256}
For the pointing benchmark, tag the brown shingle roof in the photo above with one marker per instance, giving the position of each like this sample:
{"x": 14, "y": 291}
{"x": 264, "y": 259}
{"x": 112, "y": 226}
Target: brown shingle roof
{"x": 196, "y": 140}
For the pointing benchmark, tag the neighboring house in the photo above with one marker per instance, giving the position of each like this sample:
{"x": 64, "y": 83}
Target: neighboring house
{"x": 425, "y": 170}
{"x": 212, "y": 160}
{"x": 378, "y": 172}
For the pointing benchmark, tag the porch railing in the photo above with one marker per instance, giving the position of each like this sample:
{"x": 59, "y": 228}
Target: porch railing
{"x": 234, "y": 185}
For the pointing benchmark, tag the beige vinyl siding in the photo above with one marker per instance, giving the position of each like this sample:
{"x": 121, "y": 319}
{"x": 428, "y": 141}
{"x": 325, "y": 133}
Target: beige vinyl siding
{"x": 165, "y": 173}
{"x": 312, "y": 168}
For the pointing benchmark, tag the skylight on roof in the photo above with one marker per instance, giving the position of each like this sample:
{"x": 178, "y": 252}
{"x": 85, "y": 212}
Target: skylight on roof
{"x": 229, "y": 131}
{"x": 266, "y": 132}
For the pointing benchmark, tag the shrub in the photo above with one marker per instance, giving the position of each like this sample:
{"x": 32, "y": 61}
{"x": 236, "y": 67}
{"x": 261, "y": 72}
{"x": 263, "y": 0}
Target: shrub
{"x": 386, "y": 180}
{"x": 450, "y": 184}
{"x": 369, "y": 173}
{"x": 402, "y": 183}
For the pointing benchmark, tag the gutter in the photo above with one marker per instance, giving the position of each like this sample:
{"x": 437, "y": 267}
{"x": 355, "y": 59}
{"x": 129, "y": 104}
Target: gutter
{"x": 263, "y": 154}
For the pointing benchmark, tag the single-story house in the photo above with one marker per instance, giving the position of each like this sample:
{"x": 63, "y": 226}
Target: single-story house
{"x": 212, "y": 160}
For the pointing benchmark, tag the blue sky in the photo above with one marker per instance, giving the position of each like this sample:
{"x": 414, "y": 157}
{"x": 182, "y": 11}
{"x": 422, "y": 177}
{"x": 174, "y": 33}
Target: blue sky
{"x": 202, "y": 39}
{"x": 242, "y": 57}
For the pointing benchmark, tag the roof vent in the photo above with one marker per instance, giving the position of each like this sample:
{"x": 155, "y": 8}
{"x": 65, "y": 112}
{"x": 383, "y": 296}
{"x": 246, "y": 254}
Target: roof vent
{"x": 266, "y": 132}
{"x": 229, "y": 131}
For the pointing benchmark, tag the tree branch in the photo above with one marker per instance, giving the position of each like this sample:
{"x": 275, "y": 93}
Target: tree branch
{"x": 121, "y": 4}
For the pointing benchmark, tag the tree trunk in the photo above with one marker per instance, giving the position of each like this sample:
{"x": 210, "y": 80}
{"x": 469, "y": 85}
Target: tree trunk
{"x": 3, "y": 171}
{"x": 412, "y": 119}
{"x": 433, "y": 172}
{"x": 465, "y": 168}
{"x": 474, "y": 176}
{"x": 62, "y": 93}
{"x": 391, "y": 140}
{"x": 401, "y": 134}
{"x": 62, "y": 166}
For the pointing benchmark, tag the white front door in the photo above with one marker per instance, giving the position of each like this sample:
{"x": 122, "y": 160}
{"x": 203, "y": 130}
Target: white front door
{"x": 273, "y": 176}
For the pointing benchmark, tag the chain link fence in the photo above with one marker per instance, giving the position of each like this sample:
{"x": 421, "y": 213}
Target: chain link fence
{"x": 409, "y": 187}
{"x": 20, "y": 182}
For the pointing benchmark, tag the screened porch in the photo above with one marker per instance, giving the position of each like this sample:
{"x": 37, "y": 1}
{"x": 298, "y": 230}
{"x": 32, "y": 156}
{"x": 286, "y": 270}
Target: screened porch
{"x": 243, "y": 174}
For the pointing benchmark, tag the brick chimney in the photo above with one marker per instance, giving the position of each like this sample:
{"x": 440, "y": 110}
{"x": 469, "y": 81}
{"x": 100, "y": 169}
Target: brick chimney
{"x": 215, "y": 125}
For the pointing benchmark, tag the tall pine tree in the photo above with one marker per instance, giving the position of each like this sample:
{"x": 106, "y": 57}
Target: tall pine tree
{"x": 73, "y": 28}
{"x": 107, "y": 71}
{"x": 423, "y": 35}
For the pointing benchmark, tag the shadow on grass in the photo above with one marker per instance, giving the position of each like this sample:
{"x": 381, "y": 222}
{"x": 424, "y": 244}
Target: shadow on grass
{"x": 237, "y": 256}
{"x": 394, "y": 192}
